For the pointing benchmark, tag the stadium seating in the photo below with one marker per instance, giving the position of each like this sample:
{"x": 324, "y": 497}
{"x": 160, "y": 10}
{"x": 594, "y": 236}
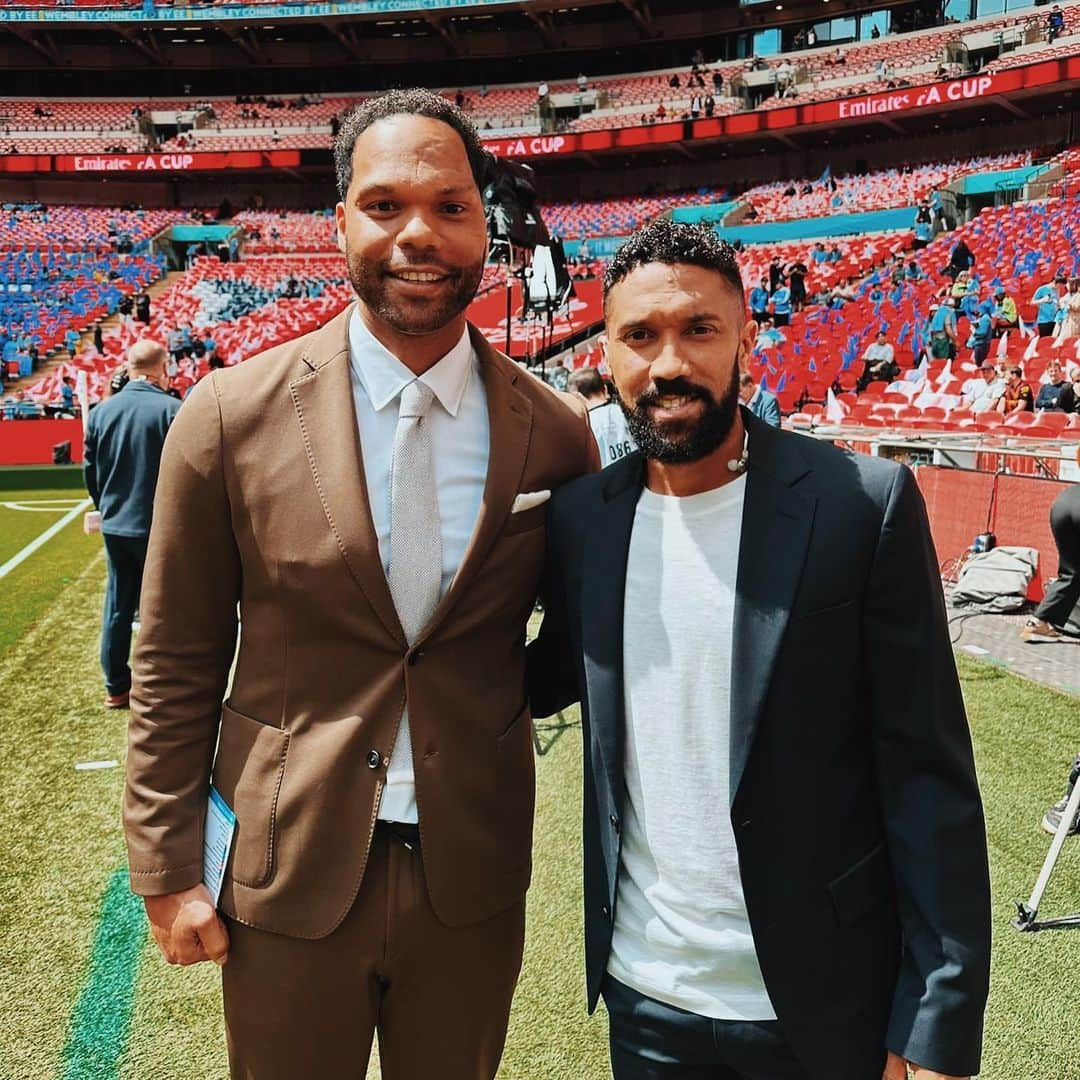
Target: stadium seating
{"x": 303, "y": 122}
{"x": 879, "y": 190}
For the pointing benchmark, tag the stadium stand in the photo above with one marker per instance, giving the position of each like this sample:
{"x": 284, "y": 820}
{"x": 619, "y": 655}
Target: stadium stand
{"x": 305, "y": 121}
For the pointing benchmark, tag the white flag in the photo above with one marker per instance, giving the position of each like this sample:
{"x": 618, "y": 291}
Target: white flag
{"x": 82, "y": 392}
{"x": 834, "y": 411}
{"x": 1003, "y": 346}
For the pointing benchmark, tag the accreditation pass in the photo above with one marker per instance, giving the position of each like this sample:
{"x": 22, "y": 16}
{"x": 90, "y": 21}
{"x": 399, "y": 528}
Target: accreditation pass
{"x": 217, "y": 842}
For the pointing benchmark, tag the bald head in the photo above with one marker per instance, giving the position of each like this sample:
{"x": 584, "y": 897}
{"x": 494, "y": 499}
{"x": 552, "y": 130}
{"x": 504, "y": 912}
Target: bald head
{"x": 147, "y": 358}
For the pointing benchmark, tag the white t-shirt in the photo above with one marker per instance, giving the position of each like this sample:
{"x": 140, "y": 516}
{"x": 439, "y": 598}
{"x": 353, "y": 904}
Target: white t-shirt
{"x": 612, "y": 435}
{"x": 681, "y": 933}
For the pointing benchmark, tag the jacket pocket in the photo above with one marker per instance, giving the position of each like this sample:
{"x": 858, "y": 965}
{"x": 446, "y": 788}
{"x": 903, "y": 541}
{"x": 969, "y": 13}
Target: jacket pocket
{"x": 862, "y": 887}
{"x": 516, "y": 775}
{"x": 248, "y": 771}
{"x": 525, "y": 520}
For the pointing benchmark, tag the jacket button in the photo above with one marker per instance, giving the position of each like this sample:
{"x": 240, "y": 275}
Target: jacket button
{"x": 414, "y": 657}
{"x": 374, "y": 759}
{"x": 606, "y": 911}
{"x": 744, "y": 825}
{"x": 614, "y": 822}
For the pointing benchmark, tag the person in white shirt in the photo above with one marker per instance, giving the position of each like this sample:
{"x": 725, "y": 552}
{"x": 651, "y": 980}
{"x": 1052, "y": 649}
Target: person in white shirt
{"x": 981, "y": 392}
{"x": 879, "y": 363}
{"x": 605, "y": 417}
{"x": 784, "y": 851}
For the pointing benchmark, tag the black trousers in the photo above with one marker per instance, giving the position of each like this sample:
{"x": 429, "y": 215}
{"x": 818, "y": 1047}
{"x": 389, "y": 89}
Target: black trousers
{"x": 1062, "y": 596}
{"x": 126, "y": 556}
{"x": 1046, "y": 329}
{"x": 653, "y": 1041}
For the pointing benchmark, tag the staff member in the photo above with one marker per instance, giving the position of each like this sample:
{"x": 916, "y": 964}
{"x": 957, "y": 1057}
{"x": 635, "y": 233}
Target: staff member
{"x": 697, "y": 593}
{"x": 371, "y": 495}
{"x": 121, "y": 457}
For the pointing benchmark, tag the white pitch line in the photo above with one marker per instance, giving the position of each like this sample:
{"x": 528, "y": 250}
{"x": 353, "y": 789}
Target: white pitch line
{"x": 42, "y": 506}
{"x": 44, "y": 538}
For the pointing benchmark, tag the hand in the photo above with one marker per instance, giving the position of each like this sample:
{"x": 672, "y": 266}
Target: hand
{"x": 896, "y": 1068}
{"x": 187, "y": 928}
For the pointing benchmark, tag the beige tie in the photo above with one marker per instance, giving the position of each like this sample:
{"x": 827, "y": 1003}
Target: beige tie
{"x": 415, "y": 576}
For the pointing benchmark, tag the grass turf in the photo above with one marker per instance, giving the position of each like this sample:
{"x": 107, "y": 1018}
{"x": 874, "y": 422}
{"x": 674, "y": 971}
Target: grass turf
{"x": 30, "y": 588}
{"x": 60, "y": 847}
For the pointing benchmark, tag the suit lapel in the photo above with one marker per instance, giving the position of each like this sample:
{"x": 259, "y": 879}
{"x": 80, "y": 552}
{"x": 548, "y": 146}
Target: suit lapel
{"x": 324, "y": 407}
{"x": 510, "y": 425}
{"x": 602, "y": 600}
{"x": 777, "y": 521}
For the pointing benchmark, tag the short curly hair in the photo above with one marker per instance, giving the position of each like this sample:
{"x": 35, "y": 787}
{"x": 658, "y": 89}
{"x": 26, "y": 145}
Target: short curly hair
{"x": 414, "y": 102}
{"x": 671, "y": 242}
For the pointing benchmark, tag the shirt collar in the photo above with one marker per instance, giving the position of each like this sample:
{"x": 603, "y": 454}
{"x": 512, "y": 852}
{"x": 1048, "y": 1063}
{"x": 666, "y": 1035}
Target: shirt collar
{"x": 383, "y": 376}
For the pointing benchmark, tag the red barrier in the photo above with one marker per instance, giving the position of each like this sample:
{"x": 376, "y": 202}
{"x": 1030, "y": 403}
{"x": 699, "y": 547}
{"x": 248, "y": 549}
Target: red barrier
{"x": 30, "y": 442}
{"x": 1016, "y": 509}
{"x": 1022, "y": 516}
{"x": 959, "y": 506}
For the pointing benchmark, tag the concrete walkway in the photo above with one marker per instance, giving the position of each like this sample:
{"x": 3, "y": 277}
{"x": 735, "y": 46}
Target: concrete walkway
{"x": 996, "y": 638}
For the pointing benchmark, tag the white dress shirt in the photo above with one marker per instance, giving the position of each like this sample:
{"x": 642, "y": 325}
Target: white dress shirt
{"x": 460, "y": 441}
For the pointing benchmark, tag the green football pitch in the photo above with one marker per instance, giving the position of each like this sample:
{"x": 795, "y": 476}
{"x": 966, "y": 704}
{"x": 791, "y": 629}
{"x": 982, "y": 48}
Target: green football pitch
{"x": 83, "y": 995}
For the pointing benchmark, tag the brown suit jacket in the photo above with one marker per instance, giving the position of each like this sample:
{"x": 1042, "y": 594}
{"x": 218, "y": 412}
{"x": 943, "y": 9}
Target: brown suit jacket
{"x": 261, "y": 502}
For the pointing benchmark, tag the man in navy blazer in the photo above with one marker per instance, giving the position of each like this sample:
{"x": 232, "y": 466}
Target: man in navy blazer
{"x": 785, "y": 856}
{"x": 121, "y": 457}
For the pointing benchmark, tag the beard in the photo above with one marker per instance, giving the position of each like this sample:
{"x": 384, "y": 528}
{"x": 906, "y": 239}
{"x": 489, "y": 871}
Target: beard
{"x": 414, "y": 315}
{"x": 680, "y": 442}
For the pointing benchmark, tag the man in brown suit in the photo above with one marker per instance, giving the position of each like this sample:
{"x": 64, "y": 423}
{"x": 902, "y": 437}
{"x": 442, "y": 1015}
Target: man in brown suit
{"x": 372, "y": 497}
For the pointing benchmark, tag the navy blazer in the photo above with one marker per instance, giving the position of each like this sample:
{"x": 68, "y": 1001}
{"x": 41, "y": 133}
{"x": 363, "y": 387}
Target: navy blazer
{"x": 122, "y": 455}
{"x": 855, "y": 806}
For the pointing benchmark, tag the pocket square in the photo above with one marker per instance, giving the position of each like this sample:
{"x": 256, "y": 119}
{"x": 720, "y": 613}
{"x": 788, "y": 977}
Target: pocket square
{"x": 528, "y": 499}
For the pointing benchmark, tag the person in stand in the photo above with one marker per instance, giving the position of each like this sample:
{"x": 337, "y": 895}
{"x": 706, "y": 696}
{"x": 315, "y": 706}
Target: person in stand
{"x": 759, "y": 301}
{"x": 1069, "y": 327}
{"x": 125, "y": 435}
{"x": 759, "y": 401}
{"x": 1050, "y": 392}
{"x": 1017, "y": 396}
{"x": 1046, "y": 299}
{"x": 982, "y": 333}
{"x": 960, "y": 258}
{"x": 781, "y": 305}
{"x": 796, "y": 274}
{"x": 879, "y": 362}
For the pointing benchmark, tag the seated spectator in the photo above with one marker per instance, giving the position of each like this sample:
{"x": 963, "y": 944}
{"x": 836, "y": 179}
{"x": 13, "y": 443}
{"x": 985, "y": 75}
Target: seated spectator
{"x": 760, "y": 402}
{"x": 960, "y": 258}
{"x": 879, "y": 364}
{"x": 1069, "y": 398}
{"x": 1017, "y": 395}
{"x": 1050, "y": 392}
{"x": 981, "y": 393}
{"x": 1005, "y": 314}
